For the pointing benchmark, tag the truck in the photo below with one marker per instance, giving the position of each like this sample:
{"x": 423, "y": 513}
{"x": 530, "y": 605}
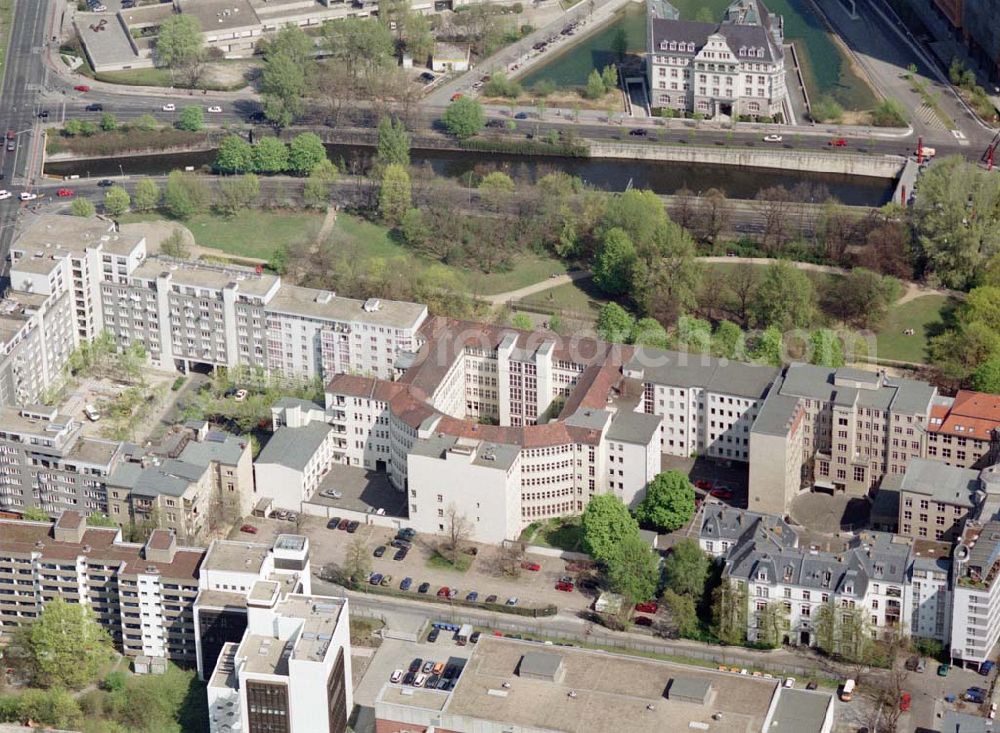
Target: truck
{"x": 462, "y": 637}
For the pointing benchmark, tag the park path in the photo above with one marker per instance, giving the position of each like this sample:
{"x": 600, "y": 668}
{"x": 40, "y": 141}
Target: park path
{"x": 324, "y": 231}
{"x": 539, "y": 287}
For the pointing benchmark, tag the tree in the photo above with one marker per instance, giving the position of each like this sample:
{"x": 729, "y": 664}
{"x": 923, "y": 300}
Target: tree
{"x": 889, "y": 113}
{"x": 180, "y": 44}
{"x": 826, "y": 348}
{"x": 862, "y": 298}
{"x": 191, "y": 119}
{"x": 668, "y": 503}
{"x": 728, "y": 342}
{"x": 72, "y": 128}
{"x": 729, "y": 611}
{"x": 237, "y": 193}
{"x": 283, "y": 87}
{"x": 305, "y": 152}
{"x": 650, "y": 332}
{"x": 56, "y": 707}
{"x": 235, "y": 155}
{"x": 457, "y": 530}
{"x": 394, "y": 198}
{"x": 682, "y": 612}
{"x": 522, "y": 321}
{"x": 393, "y": 144}
{"x": 606, "y": 523}
{"x": 270, "y": 155}
{"x": 986, "y": 376}
{"x": 711, "y": 215}
{"x": 316, "y": 191}
{"x": 768, "y": 347}
{"x": 82, "y": 207}
{"x": 116, "y": 201}
{"x": 415, "y": 230}
{"x": 99, "y": 519}
{"x": 500, "y": 86}
{"x": 146, "y": 123}
{"x": 147, "y": 195}
{"x": 185, "y": 195}
{"x": 34, "y": 514}
{"x": 65, "y": 646}
{"x": 633, "y": 569}
{"x": 358, "y": 560}
{"x": 174, "y": 245}
{"x": 614, "y": 324}
{"x": 290, "y": 41}
{"x": 495, "y": 189}
{"x": 685, "y": 569}
{"x": 772, "y": 623}
{"x": 784, "y": 298}
{"x": 615, "y": 264}
{"x": 464, "y": 118}
{"x": 694, "y": 335}
{"x": 108, "y": 122}
{"x": 642, "y": 216}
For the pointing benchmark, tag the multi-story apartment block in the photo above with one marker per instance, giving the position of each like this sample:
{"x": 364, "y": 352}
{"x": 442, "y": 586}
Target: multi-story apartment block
{"x": 733, "y": 68}
{"x": 854, "y": 428}
{"x": 707, "y": 405}
{"x": 930, "y": 588}
{"x": 47, "y": 463}
{"x": 934, "y": 499}
{"x": 975, "y": 616}
{"x": 962, "y": 430}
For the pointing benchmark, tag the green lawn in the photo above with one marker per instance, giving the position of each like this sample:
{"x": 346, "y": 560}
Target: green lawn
{"x": 559, "y": 533}
{"x": 581, "y": 296}
{"x": 437, "y": 561}
{"x": 254, "y": 233}
{"x": 157, "y": 77}
{"x": 924, "y": 315}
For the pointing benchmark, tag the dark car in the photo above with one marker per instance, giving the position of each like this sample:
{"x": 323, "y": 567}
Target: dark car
{"x": 333, "y": 523}
{"x": 432, "y": 682}
{"x": 408, "y": 678}
{"x": 491, "y": 599}
{"x": 375, "y": 579}
{"x": 442, "y": 684}
{"x": 424, "y": 587}
{"x": 433, "y": 636}
{"x": 400, "y": 553}
{"x": 407, "y": 533}
{"x": 405, "y": 583}
{"x": 401, "y": 544}
{"x": 43, "y": 115}
{"x": 475, "y": 637}
{"x": 416, "y": 664}
{"x": 638, "y": 132}
{"x": 352, "y": 527}
{"x": 450, "y": 672}
{"x": 811, "y": 685}
{"x": 379, "y": 551}
{"x": 105, "y": 183}
{"x": 521, "y": 116}
{"x": 472, "y": 597}
{"x": 94, "y": 108}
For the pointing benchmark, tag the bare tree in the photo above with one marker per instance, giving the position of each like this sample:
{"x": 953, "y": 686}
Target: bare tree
{"x": 358, "y": 561}
{"x": 457, "y": 530}
{"x": 743, "y": 284}
{"x": 711, "y": 215}
{"x": 774, "y": 205}
{"x": 682, "y": 208}
{"x": 509, "y": 559}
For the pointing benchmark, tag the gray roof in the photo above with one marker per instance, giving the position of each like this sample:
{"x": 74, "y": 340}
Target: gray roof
{"x": 683, "y": 369}
{"x": 589, "y": 418}
{"x": 286, "y": 402}
{"x": 540, "y": 664}
{"x": 800, "y": 711}
{"x": 170, "y": 478}
{"x": 634, "y": 427}
{"x": 775, "y": 415}
{"x": 855, "y": 386}
{"x": 964, "y": 723}
{"x": 488, "y": 455}
{"x": 941, "y": 482}
{"x": 294, "y": 447}
{"x": 323, "y": 304}
{"x": 721, "y": 522}
{"x": 738, "y": 36}
{"x": 218, "y": 447}
{"x": 689, "y": 689}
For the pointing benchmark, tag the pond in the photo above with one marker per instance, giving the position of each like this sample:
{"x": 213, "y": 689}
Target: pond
{"x": 825, "y": 67}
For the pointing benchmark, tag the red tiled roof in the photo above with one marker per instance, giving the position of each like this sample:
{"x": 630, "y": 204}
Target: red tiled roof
{"x": 971, "y": 415}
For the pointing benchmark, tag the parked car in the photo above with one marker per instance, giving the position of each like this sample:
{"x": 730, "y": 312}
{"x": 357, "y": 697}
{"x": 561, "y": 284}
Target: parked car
{"x": 343, "y": 523}
{"x": 94, "y": 107}
{"x": 405, "y": 583}
{"x": 215, "y": 108}
{"x": 420, "y": 680}
{"x": 533, "y": 566}
{"x": 416, "y": 664}
{"x": 428, "y": 666}
{"x": 43, "y": 115}
{"x": 82, "y": 88}
{"x": 521, "y": 116}
{"x": 472, "y": 597}
{"x": 443, "y": 592}
{"x": 331, "y": 494}
{"x": 169, "y": 107}
{"x": 943, "y": 670}
{"x": 721, "y": 493}
{"x": 512, "y": 601}
{"x": 400, "y": 554}
{"x": 249, "y": 529}
{"x": 333, "y": 523}
{"x": 424, "y": 587}
{"x": 475, "y": 637}
{"x": 789, "y": 682}
{"x": 986, "y": 667}
{"x": 5, "y": 194}
{"x": 407, "y": 534}
{"x": 433, "y": 636}
{"x": 438, "y": 669}
{"x": 105, "y": 183}
{"x": 638, "y": 132}
{"x": 64, "y": 193}
{"x": 647, "y": 607}
{"x": 379, "y": 551}
{"x": 375, "y": 578}
{"x": 491, "y": 599}
{"x": 975, "y": 695}
{"x": 396, "y": 676}
{"x": 773, "y": 138}
{"x": 241, "y": 394}
{"x": 432, "y": 682}
{"x": 92, "y": 413}
{"x": 352, "y": 527}
{"x": 812, "y": 685}
{"x": 904, "y": 701}
{"x": 564, "y": 586}
{"x": 401, "y": 544}
{"x": 911, "y": 663}
{"x": 291, "y": 517}
{"x": 408, "y": 678}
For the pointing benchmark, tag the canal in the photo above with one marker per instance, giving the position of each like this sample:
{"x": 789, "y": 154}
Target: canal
{"x": 605, "y": 174}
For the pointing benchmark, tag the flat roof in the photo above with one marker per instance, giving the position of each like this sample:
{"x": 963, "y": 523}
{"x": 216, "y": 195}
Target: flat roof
{"x": 220, "y": 15}
{"x": 612, "y": 692}
{"x": 941, "y": 482}
{"x": 233, "y": 556}
{"x": 800, "y": 711}
{"x": 482, "y": 453}
{"x": 323, "y": 304}
{"x": 106, "y": 38}
{"x": 690, "y": 369}
{"x": 213, "y": 277}
{"x": 220, "y": 599}
{"x": 294, "y": 447}
{"x": 634, "y": 427}
{"x": 73, "y": 234}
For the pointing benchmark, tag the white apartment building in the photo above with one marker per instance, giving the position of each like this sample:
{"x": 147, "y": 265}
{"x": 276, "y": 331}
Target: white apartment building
{"x": 289, "y": 468}
{"x": 975, "y": 615}
{"x": 733, "y": 68}
{"x": 707, "y": 405}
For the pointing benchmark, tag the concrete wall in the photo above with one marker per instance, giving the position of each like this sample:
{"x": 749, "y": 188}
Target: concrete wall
{"x": 878, "y": 166}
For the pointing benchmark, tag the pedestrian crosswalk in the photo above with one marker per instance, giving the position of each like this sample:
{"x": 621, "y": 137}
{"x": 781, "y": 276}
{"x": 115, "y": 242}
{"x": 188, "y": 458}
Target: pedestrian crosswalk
{"x": 929, "y": 117}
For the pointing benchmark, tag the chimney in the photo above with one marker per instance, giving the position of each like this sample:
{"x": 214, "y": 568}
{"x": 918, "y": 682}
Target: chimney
{"x": 70, "y": 527}
{"x": 161, "y": 546}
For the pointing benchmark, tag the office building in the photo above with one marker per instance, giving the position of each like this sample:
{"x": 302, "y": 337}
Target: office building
{"x": 962, "y": 430}
{"x": 934, "y": 499}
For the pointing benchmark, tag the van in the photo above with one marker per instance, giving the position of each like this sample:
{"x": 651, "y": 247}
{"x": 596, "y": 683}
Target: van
{"x": 462, "y": 637}
{"x": 847, "y": 692}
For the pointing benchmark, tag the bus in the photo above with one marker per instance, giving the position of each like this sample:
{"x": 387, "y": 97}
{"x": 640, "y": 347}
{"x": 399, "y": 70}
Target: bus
{"x": 848, "y": 691}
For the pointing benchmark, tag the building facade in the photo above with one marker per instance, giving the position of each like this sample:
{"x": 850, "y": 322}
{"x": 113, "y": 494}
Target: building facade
{"x": 962, "y": 430}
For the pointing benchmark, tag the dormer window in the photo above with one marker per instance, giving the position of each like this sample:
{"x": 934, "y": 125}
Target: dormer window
{"x": 673, "y": 45}
{"x": 690, "y": 48}
{"x": 848, "y": 589}
{"x": 663, "y": 45}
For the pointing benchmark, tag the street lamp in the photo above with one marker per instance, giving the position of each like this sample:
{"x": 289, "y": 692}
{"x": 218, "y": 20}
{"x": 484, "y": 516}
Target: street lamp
{"x": 121, "y": 171}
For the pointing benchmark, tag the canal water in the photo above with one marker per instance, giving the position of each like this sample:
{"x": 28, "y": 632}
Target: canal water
{"x": 606, "y": 174}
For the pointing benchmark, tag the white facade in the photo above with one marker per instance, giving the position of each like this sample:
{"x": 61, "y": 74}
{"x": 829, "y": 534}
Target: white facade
{"x": 291, "y": 466}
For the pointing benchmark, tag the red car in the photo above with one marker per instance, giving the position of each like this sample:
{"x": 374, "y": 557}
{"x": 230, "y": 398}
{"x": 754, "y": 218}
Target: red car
{"x": 343, "y": 523}
{"x": 11, "y": 134}
{"x": 647, "y": 607}
{"x": 904, "y": 701}
{"x": 703, "y": 484}
{"x": 456, "y": 96}
{"x": 64, "y": 193}
{"x": 839, "y": 142}
{"x": 82, "y": 88}
{"x": 721, "y": 493}
{"x": 533, "y": 566}
{"x": 443, "y": 592}
{"x": 249, "y": 529}
{"x": 564, "y": 586}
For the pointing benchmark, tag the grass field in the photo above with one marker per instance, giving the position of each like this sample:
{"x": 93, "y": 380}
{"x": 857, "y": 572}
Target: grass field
{"x": 581, "y": 296}
{"x": 157, "y": 77}
{"x": 924, "y": 315}
{"x": 560, "y": 533}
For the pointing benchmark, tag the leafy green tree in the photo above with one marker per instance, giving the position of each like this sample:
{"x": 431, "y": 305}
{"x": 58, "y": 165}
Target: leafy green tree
{"x": 986, "y": 376}
{"x": 185, "y": 195}
{"x": 767, "y": 347}
{"x": 729, "y": 612}
{"x": 609, "y": 75}
{"x": 772, "y": 624}
{"x": 889, "y": 113}
{"x": 606, "y": 523}
{"x": 179, "y": 42}
{"x": 270, "y": 155}
{"x": 727, "y": 341}
{"x": 65, "y": 646}
{"x": 694, "y": 335}
{"x": 235, "y": 155}
{"x": 146, "y": 123}
{"x": 279, "y": 260}
{"x": 826, "y": 348}
{"x": 290, "y": 41}
{"x": 305, "y": 152}
{"x": 147, "y": 195}
{"x": 633, "y": 569}
{"x": 682, "y": 612}
{"x": 72, "y": 128}
{"x": 99, "y": 519}
{"x": 614, "y": 324}
{"x": 393, "y": 144}
{"x": 464, "y": 118}
{"x": 685, "y": 569}
{"x": 982, "y": 304}
{"x": 615, "y": 263}
{"x": 500, "y": 86}
{"x": 56, "y": 707}
{"x": 237, "y": 193}
{"x": 116, "y": 201}
{"x": 650, "y": 332}
{"x": 495, "y": 189}
{"x": 960, "y": 351}
{"x": 82, "y": 207}
{"x": 668, "y": 503}
{"x": 416, "y": 231}
{"x": 595, "y": 86}
{"x": 785, "y": 298}
{"x": 191, "y": 119}
{"x": 316, "y": 190}
{"x": 108, "y": 122}
{"x": 522, "y": 321}
{"x": 283, "y": 87}
{"x": 394, "y": 198}
{"x": 641, "y": 215}
{"x": 34, "y": 514}
{"x": 826, "y": 109}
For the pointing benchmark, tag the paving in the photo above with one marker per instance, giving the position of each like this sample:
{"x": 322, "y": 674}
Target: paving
{"x": 362, "y": 490}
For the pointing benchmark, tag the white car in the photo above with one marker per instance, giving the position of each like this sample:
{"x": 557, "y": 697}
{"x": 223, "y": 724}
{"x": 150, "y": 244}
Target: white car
{"x": 27, "y": 196}
{"x": 4, "y": 195}
{"x": 773, "y": 138}
{"x": 789, "y": 682}
{"x": 91, "y": 412}
{"x": 331, "y": 494}
{"x": 169, "y": 107}
{"x": 397, "y": 675}
{"x": 241, "y": 395}
{"x": 419, "y": 680}
{"x": 214, "y": 108}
